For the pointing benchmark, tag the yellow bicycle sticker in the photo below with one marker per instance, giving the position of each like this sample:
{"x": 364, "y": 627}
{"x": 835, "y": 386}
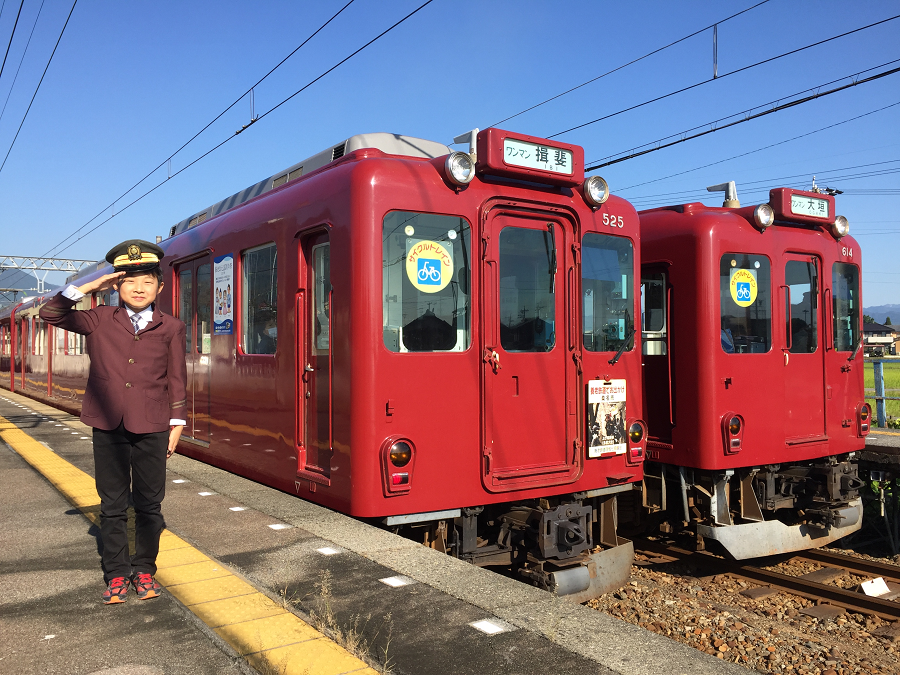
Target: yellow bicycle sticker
{"x": 429, "y": 266}
{"x": 743, "y": 287}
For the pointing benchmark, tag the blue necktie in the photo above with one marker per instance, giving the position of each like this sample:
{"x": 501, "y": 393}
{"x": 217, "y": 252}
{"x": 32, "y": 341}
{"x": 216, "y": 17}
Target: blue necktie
{"x": 136, "y": 320}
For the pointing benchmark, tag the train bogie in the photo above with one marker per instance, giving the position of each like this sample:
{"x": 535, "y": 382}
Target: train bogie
{"x": 753, "y": 377}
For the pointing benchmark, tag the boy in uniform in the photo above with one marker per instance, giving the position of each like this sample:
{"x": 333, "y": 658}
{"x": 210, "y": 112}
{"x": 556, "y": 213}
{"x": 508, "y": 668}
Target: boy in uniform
{"x": 135, "y": 402}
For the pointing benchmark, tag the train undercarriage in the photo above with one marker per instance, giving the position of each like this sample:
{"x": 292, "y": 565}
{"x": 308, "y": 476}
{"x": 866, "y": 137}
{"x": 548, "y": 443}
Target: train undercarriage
{"x": 566, "y": 545}
{"x": 754, "y": 511}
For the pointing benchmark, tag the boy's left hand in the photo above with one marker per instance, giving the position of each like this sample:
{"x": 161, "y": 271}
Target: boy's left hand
{"x": 174, "y": 435}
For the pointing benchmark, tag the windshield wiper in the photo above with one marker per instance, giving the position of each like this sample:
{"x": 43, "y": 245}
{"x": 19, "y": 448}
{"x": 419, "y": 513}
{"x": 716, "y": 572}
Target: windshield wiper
{"x": 550, "y": 244}
{"x": 621, "y": 351}
{"x": 856, "y": 351}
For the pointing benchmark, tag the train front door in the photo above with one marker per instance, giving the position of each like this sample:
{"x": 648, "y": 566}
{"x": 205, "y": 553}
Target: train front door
{"x": 194, "y": 305}
{"x": 529, "y": 336}
{"x": 314, "y": 327}
{"x": 803, "y": 349}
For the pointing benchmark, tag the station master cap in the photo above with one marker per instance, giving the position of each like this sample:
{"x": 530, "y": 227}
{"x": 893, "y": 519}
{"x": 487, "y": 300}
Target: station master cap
{"x": 135, "y": 255}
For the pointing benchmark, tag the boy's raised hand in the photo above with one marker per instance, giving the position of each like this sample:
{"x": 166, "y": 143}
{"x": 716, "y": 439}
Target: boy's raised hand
{"x": 102, "y": 283}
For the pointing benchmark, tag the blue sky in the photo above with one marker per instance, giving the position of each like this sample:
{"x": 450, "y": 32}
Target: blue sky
{"x": 132, "y": 81}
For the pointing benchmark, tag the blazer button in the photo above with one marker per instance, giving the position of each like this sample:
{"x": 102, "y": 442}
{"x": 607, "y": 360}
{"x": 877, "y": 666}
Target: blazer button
{"x": 136, "y": 338}
{"x": 128, "y": 385}
{"x": 130, "y": 360}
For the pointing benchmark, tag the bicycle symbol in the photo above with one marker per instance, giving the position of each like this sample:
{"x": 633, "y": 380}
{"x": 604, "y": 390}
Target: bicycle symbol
{"x": 429, "y": 271}
{"x": 743, "y": 291}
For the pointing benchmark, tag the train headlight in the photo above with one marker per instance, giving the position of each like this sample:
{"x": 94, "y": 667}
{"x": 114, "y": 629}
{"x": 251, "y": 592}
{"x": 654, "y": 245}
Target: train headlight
{"x": 596, "y": 190}
{"x": 865, "y": 415}
{"x": 841, "y": 227}
{"x": 732, "y": 433}
{"x": 636, "y": 433}
{"x": 460, "y": 168}
{"x": 400, "y": 453}
{"x": 763, "y": 217}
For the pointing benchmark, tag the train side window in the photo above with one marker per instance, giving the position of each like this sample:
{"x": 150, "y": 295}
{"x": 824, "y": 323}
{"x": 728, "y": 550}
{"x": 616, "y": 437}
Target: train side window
{"x": 653, "y": 313}
{"x": 185, "y": 306}
{"x": 607, "y": 277}
{"x": 801, "y": 304}
{"x": 425, "y": 282}
{"x": 321, "y": 260}
{"x": 745, "y": 283}
{"x": 204, "y": 305}
{"x": 845, "y": 300}
{"x": 259, "y": 297}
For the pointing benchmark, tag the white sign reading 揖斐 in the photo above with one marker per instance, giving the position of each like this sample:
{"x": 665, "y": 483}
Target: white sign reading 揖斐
{"x": 533, "y": 156}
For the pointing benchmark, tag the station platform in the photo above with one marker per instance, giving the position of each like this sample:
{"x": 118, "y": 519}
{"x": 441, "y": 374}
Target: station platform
{"x": 261, "y": 581}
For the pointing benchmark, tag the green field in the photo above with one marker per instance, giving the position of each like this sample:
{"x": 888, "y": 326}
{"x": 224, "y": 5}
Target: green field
{"x": 891, "y": 385}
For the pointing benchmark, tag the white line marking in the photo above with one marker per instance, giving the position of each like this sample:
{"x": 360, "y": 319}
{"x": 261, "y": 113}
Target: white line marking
{"x": 328, "y": 550}
{"x": 491, "y": 626}
{"x": 280, "y": 526}
{"x": 236, "y": 508}
{"x": 205, "y": 494}
{"x": 397, "y": 582}
{"x": 179, "y": 480}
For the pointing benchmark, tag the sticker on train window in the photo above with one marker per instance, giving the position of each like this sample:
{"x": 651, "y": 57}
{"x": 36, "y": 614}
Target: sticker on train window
{"x": 606, "y": 418}
{"x": 743, "y": 287}
{"x": 429, "y": 265}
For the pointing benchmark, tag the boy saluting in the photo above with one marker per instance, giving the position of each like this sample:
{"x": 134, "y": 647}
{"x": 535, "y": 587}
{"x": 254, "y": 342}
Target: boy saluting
{"x": 135, "y": 401}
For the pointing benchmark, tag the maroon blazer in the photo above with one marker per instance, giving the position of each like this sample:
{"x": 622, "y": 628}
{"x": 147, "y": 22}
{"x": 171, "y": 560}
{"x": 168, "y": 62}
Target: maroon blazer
{"x": 139, "y": 379}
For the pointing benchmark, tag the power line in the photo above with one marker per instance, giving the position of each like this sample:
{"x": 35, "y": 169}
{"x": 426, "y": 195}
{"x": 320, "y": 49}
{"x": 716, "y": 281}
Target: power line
{"x": 625, "y": 65}
{"x": 49, "y": 61}
{"x": 27, "y": 44}
{"x": 208, "y": 125}
{"x": 11, "y": 36}
{"x": 720, "y": 77}
{"x": 219, "y": 145}
{"x": 766, "y": 147}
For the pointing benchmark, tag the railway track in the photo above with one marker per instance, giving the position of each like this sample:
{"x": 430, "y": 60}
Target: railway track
{"x": 809, "y": 588}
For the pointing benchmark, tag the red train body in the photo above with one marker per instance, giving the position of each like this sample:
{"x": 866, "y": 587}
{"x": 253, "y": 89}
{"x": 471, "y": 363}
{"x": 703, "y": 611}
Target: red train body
{"x": 753, "y": 377}
{"x": 371, "y": 332}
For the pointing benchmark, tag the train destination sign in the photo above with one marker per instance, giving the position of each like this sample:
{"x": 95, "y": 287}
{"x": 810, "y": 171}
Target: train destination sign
{"x": 802, "y": 205}
{"x": 534, "y": 156}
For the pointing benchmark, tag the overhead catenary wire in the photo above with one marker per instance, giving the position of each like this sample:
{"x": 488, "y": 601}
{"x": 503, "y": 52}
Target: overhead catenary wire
{"x": 11, "y": 36}
{"x": 721, "y": 77}
{"x": 215, "y": 119}
{"x": 265, "y": 114}
{"x": 22, "y": 60}
{"x": 632, "y": 62}
{"x": 38, "y": 88}
{"x": 765, "y": 147}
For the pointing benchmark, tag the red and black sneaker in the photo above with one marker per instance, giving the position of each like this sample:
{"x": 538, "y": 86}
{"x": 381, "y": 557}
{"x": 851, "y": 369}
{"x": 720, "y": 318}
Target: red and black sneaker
{"x": 146, "y": 586}
{"x": 116, "y": 591}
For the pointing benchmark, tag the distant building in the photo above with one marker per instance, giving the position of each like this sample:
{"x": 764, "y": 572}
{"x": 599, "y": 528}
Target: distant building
{"x": 880, "y": 340}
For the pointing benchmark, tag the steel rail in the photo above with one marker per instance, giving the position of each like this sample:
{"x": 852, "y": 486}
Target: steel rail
{"x": 811, "y": 590}
{"x": 851, "y": 564}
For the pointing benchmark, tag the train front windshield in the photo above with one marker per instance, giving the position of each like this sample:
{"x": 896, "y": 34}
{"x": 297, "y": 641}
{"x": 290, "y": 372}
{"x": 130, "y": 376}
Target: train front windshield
{"x": 845, "y": 290}
{"x": 607, "y": 279}
{"x": 745, "y": 300}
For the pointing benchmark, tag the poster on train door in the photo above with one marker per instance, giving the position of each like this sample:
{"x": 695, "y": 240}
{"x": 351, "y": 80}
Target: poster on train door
{"x": 606, "y": 418}
{"x": 223, "y": 299}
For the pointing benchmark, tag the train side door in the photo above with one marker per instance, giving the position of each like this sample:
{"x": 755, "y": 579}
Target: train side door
{"x": 803, "y": 348}
{"x": 315, "y": 364}
{"x": 194, "y": 305}
{"x": 529, "y": 330}
{"x": 659, "y": 405}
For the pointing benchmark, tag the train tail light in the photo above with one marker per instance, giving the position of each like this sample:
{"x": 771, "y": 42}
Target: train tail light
{"x": 637, "y": 442}
{"x": 841, "y": 227}
{"x": 732, "y": 433}
{"x": 459, "y": 168}
{"x": 398, "y": 457}
{"x": 864, "y": 415}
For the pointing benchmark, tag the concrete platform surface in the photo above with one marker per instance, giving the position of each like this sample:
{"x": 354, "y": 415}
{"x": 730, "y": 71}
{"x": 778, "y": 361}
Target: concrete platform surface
{"x": 395, "y": 605}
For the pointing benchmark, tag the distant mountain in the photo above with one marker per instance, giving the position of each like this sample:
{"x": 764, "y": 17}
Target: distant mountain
{"x": 881, "y": 312}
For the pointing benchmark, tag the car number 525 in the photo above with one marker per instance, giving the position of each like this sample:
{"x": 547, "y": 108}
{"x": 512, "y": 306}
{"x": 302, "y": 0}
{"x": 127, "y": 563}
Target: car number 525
{"x": 613, "y": 221}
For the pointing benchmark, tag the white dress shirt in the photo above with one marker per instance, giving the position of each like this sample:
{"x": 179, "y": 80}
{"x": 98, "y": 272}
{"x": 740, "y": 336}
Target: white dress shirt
{"x": 145, "y": 316}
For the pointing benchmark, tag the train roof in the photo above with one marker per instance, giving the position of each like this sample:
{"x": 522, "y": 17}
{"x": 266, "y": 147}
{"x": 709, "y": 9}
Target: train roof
{"x": 391, "y": 144}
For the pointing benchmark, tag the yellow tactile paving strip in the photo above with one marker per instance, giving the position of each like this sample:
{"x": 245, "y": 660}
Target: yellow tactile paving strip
{"x": 269, "y": 637}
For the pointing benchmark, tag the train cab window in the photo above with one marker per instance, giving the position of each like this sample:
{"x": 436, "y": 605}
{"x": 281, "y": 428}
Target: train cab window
{"x": 845, "y": 300}
{"x": 185, "y": 306}
{"x": 653, "y": 313}
{"x": 607, "y": 280}
{"x": 746, "y": 307}
{"x": 527, "y": 293}
{"x": 425, "y": 282}
{"x": 801, "y": 279}
{"x": 259, "y": 300}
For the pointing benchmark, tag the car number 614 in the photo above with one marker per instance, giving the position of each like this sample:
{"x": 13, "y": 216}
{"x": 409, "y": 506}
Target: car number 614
{"x": 613, "y": 221}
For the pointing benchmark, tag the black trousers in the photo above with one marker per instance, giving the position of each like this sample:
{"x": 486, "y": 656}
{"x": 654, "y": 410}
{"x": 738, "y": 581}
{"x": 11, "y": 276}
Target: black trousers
{"x": 130, "y": 465}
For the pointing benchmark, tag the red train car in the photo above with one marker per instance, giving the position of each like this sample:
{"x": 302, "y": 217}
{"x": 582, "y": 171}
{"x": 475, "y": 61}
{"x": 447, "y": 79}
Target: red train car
{"x": 753, "y": 376}
{"x": 443, "y": 341}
